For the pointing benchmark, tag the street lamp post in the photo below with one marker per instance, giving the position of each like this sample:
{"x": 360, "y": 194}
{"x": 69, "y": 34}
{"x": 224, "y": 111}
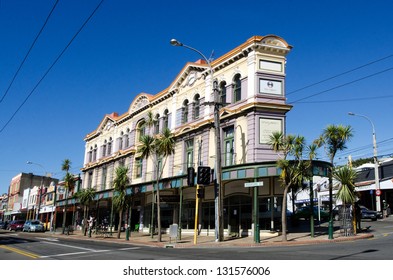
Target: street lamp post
{"x": 219, "y": 228}
{"x": 377, "y": 197}
{"x": 40, "y": 188}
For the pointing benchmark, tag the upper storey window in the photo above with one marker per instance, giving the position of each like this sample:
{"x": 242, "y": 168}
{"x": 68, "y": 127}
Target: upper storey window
{"x": 197, "y": 106}
{"x": 237, "y": 90}
{"x": 157, "y": 124}
{"x": 185, "y": 112}
{"x": 223, "y": 93}
{"x": 110, "y": 146}
{"x": 141, "y": 128}
{"x": 165, "y": 119}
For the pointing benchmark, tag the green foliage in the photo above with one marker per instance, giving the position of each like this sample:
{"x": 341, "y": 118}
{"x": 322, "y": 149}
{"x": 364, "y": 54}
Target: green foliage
{"x": 85, "y": 196}
{"x": 346, "y": 176}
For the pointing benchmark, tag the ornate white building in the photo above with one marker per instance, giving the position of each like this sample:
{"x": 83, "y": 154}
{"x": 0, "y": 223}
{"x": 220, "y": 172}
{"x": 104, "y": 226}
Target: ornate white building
{"x": 250, "y": 81}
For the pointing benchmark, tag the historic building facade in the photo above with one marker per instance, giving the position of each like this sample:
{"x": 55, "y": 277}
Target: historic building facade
{"x": 250, "y": 81}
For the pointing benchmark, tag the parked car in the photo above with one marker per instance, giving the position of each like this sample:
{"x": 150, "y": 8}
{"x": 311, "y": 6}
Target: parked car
{"x": 16, "y": 225}
{"x": 33, "y": 225}
{"x": 304, "y": 213}
{"x": 3, "y": 224}
{"x": 366, "y": 213}
{"x": 369, "y": 214}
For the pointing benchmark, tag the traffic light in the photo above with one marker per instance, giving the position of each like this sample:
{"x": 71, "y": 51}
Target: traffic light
{"x": 190, "y": 176}
{"x": 201, "y": 192}
{"x": 204, "y": 175}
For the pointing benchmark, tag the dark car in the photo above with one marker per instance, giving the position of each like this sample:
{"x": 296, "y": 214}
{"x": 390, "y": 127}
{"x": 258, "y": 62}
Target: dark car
{"x": 366, "y": 213}
{"x": 305, "y": 213}
{"x": 369, "y": 214}
{"x": 3, "y": 224}
{"x": 16, "y": 225}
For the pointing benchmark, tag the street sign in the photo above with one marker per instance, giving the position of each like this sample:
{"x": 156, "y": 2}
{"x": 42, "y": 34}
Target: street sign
{"x": 378, "y": 192}
{"x": 253, "y": 184}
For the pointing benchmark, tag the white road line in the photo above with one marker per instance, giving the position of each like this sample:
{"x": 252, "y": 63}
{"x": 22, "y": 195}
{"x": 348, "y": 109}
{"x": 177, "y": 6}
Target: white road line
{"x": 69, "y": 246}
{"x": 124, "y": 249}
{"x": 81, "y": 253}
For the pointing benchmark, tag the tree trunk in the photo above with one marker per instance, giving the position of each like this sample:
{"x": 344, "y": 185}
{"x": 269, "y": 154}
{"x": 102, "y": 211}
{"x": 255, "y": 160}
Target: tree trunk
{"x": 120, "y": 220}
{"x": 284, "y": 214}
{"x": 84, "y": 220}
{"x": 158, "y": 213}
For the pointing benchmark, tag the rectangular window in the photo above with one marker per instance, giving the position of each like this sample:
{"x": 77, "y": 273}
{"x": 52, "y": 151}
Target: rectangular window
{"x": 103, "y": 178}
{"x": 138, "y": 167}
{"x": 228, "y": 146}
{"x": 189, "y": 148}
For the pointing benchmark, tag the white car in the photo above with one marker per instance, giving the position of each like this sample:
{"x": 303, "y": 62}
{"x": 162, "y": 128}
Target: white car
{"x": 33, "y": 225}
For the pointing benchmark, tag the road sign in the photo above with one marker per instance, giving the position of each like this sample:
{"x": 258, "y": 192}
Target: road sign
{"x": 378, "y": 192}
{"x": 253, "y": 184}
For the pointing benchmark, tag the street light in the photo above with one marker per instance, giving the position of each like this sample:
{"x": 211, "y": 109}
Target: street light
{"x": 377, "y": 197}
{"x": 40, "y": 189}
{"x": 219, "y": 222}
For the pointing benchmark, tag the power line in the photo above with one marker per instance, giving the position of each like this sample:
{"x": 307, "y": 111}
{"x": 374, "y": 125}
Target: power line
{"x": 28, "y": 52}
{"x": 348, "y": 99}
{"x": 50, "y": 68}
{"x": 343, "y": 85}
{"x": 341, "y": 74}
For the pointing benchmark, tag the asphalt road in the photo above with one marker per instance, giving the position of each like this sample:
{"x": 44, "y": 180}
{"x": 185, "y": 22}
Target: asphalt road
{"x": 28, "y": 246}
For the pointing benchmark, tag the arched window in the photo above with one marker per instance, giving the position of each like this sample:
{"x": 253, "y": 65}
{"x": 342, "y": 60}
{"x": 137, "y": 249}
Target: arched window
{"x": 90, "y": 155}
{"x": 157, "y": 124}
{"x": 110, "y": 146}
{"x": 104, "y": 149}
{"x": 197, "y": 105}
{"x": 127, "y": 138}
{"x": 185, "y": 112}
{"x": 237, "y": 92}
{"x": 141, "y": 128}
{"x": 95, "y": 153}
{"x": 120, "y": 141}
{"x": 223, "y": 93}
{"x": 165, "y": 119}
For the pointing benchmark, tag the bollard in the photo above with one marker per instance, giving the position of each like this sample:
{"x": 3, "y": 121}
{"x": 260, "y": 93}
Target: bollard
{"x": 128, "y": 233}
{"x": 257, "y": 234}
{"x": 330, "y": 229}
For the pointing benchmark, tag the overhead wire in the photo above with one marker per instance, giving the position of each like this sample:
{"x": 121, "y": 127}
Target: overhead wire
{"x": 343, "y": 85}
{"x": 50, "y": 68}
{"x": 28, "y": 52}
{"x": 341, "y": 74}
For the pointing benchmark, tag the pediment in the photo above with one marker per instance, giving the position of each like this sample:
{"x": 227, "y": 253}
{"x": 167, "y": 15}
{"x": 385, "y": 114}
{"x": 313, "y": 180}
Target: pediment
{"x": 191, "y": 72}
{"x": 141, "y": 101}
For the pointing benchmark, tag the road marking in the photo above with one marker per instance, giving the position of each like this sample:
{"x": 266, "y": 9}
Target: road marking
{"x": 124, "y": 249}
{"x": 21, "y": 252}
{"x": 48, "y": 239}
{"x": 70, "y": 246}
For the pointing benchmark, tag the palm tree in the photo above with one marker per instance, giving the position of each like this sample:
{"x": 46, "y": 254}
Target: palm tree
{"x": 292, "y": 171}
{"x": 159, "y": 147}
{"x": 120, "y": 184}
{"x": 346, "y": 193}
{"x": 69, "y": 184}
{"x": 85, "y": 196}
{"x": 334, "y": 139}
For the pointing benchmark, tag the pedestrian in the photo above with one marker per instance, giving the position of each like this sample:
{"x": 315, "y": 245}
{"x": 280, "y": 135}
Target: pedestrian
{"x": 91, "y": 224}
{"x": 358, "y": 216}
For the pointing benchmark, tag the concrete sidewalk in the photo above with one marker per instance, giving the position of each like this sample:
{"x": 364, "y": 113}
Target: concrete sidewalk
{"x": 294, "y": 238}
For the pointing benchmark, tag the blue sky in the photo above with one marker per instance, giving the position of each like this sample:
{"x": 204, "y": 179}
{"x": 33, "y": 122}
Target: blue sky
{"x": 124, "y": 50}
